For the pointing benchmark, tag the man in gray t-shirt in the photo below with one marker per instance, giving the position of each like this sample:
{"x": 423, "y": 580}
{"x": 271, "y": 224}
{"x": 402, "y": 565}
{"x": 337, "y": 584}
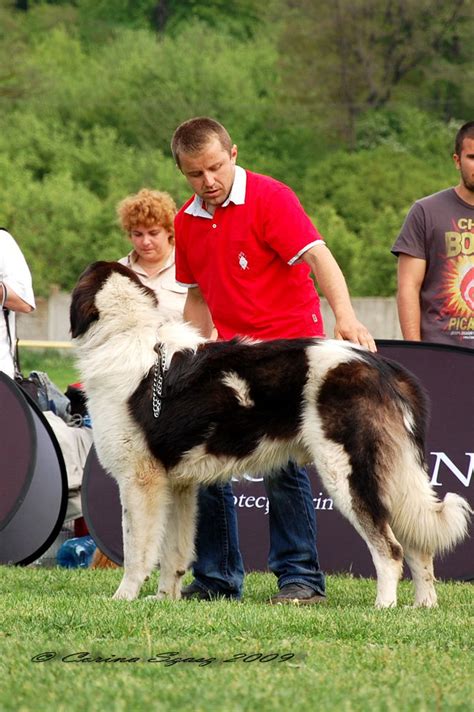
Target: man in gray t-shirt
{"x": 435, "y": 251}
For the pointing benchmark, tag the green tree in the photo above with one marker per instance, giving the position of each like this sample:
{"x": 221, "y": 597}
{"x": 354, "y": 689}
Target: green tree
{"x": 144, "y": 88}
{"x": 344, "y": 57}
{"x": 360, "y": 185}
{"x": 17, "y": 77}
{"x": 241, "y": 18}
{"x": 343, "y": 243}
{"x": 374, "y": 268}
{"x": 99, "y": 19}
{"x": 404, "y": 155}
{"x": 88, "y": 112}
{"x": 59, "y": 189}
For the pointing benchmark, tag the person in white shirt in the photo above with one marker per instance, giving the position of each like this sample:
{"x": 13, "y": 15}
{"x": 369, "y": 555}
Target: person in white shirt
{"x": 16, "y": 295}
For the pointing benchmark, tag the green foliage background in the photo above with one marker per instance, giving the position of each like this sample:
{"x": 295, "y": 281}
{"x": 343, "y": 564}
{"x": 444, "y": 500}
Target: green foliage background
{"x": 91, "y": 91}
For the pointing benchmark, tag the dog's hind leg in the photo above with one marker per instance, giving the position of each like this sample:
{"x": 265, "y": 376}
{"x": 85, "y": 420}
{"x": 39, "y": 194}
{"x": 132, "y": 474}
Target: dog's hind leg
{"x": 387, "y": 555}
{"x": 386, "y": 552}
{"x": 178, "y": 545}
{"x": 421, "y": 567}
{"x": 365, "y": 511}
{"x": 145, "y": 501}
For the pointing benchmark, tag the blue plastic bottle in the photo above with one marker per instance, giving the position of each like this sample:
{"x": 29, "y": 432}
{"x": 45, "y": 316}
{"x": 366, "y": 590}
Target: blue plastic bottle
{"x": 76, "y": 553}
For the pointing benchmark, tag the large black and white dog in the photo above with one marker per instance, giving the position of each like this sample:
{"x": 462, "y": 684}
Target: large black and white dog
{"x": 171, "y": 411}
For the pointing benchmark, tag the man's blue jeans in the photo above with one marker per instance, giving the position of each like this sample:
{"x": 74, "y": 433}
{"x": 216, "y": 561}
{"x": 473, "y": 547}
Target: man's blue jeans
{"x": 293, "y": 555}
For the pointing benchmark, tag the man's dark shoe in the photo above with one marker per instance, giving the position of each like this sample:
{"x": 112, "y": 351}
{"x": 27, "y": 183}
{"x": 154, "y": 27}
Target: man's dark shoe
{"x": 298, "y": 594}
{"x": 194, "y": 590}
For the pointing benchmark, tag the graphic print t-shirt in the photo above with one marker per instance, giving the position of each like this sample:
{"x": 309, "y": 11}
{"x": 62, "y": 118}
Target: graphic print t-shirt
{"x": 440, "y": 230}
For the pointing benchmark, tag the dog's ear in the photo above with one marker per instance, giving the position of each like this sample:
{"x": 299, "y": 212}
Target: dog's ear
{"x": 83, "y": 311}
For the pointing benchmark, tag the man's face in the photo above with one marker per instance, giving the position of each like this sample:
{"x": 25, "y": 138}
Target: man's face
{"x": 465, "y": 163}
{"x": 210, "y": 172}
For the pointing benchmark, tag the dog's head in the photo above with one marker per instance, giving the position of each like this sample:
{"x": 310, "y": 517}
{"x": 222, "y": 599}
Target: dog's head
{"x": 83, "y": 311}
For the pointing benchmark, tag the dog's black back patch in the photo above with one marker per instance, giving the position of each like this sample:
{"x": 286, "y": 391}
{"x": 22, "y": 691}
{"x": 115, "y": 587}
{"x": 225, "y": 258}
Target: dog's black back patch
{"x": 200, "y": 409}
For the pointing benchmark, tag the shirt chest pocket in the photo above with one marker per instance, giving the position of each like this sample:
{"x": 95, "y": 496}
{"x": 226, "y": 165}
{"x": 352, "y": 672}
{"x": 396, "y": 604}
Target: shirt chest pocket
{"x": 248, "y": 256}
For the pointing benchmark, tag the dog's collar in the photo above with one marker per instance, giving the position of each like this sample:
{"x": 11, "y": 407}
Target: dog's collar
{"x": 159, "y": 372}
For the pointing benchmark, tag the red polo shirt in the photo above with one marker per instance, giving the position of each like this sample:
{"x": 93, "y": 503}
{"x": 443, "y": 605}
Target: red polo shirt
{"x": 244, "y": 259}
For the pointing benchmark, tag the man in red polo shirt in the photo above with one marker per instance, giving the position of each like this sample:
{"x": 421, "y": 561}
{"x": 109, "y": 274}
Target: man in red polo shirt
{"x": 245, "y": 249}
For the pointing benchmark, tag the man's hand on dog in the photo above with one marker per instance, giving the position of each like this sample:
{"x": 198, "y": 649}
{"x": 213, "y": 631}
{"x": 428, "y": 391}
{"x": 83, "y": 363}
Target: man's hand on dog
{"x": 353, "y": 330}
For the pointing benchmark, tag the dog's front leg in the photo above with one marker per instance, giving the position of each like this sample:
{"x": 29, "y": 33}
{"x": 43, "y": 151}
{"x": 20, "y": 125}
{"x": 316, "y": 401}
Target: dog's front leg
{"x": 145, "y": 500}
{"x": 178, "y": 545}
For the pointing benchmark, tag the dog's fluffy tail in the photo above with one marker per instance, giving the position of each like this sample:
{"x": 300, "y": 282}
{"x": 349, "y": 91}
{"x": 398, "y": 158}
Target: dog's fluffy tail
{"x": 419, "y": 519}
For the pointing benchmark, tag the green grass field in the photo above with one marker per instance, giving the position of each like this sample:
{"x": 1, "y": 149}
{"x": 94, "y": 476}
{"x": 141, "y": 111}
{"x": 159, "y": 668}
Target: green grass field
{"x": 59, "y": 365}
{"x": 189, "y": 655}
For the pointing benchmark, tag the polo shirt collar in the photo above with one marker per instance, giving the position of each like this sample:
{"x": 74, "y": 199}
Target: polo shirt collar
{"x": 236, "y": 196}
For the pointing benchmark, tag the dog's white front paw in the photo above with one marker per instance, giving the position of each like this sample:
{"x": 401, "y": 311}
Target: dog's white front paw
{"x": 126, "y": 592}
{"x": 385, "y": 603}
{"x": 160, "y": 596}
{"x": 428, "y": 602}
{"x": 168, "y": 595}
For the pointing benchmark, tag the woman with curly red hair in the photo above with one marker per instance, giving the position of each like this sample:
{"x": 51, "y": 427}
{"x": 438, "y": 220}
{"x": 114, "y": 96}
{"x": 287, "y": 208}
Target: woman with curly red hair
{"x": 147, "y": 218}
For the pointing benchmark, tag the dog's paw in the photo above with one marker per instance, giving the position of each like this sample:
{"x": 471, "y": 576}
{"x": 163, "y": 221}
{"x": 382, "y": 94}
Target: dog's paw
{"x": 125, "y": 593}
{"x": 168, "y": 595}
{"x": 160, "y": 596}
{"x": 382, "y": 603}
{"x": 426, "y": 603}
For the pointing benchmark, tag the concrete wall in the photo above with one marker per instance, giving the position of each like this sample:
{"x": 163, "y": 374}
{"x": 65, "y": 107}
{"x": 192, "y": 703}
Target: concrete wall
{"x": 50, "y": 321}
{"x": 379, "y": 314}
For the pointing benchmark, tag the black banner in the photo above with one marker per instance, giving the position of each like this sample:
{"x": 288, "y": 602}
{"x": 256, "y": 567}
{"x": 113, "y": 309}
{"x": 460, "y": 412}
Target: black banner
{"x": 33, "y": 480}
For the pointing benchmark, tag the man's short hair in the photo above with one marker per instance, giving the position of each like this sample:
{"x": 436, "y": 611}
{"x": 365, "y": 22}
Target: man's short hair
{"x": 193, "y": 135}
{"x": 466, "y": 131}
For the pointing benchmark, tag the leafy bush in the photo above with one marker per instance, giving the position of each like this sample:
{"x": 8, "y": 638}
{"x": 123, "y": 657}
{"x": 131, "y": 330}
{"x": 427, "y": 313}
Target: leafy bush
{"x": 91, "y": 93}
